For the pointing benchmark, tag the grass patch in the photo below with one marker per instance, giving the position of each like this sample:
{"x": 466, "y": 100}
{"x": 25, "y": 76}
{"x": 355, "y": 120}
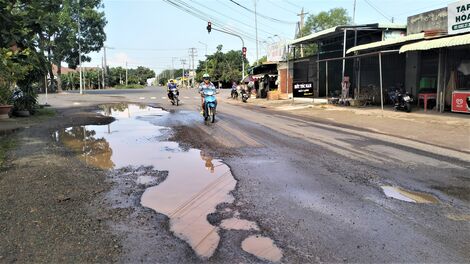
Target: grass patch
{"x": 130, "y": 86}
{"x": 6, "y": 144}
{"x": 45, "y": 112}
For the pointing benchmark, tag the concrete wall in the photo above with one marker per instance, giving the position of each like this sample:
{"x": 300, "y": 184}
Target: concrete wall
{"x": 436, "y": 19}
{"x": 282, "y": 75}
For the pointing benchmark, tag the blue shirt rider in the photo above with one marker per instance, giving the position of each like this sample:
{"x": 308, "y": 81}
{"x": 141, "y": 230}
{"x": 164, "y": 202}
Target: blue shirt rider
{"x": 206, "y": 84}
{"x": 172, "y": 85}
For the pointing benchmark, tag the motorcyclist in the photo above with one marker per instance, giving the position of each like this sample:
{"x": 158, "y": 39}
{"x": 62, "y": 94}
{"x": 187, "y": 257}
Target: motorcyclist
{"x": 234, "y": 89}
{"x": 172, "y": 85}
{"x": 205, "y": 84}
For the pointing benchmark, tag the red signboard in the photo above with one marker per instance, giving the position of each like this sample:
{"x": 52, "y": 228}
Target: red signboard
{"x": 461, "y": 101}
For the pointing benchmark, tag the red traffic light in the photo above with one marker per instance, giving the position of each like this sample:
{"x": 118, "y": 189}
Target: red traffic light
{"x": 209, "y": 27}
{"x": 244, "y": 52}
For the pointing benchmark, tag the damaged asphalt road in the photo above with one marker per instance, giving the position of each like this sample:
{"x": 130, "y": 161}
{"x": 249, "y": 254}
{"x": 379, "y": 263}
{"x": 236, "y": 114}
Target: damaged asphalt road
{"x": 314, "y": 189}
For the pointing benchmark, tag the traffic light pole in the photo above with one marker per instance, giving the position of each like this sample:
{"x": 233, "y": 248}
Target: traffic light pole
{"x": 243, "y": 45}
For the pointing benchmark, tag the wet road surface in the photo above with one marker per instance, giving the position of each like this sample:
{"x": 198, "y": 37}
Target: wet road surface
{"x": 319, "y": 191}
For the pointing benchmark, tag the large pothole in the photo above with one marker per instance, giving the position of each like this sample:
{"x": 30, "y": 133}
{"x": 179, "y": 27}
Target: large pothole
{"x": 195, "y": 185}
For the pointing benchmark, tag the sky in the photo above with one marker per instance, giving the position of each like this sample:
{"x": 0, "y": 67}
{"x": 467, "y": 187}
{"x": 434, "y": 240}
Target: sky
{"x": 158, "y": 35}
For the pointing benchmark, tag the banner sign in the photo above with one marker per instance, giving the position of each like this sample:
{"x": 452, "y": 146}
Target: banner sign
{"x": 276, "y": 51}
{"x": 303, "y": 89}
{"x": 458, "y": 17}
{"x": 461, "y": 101}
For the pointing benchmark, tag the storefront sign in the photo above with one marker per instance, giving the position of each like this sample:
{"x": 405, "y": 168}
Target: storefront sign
{"x": 458, "y": 17}
{"x": 303, "y": 89}
{"x": 461, "y": 101}
{"x": 276, "y": 51}
{"x": 393, "y": 34}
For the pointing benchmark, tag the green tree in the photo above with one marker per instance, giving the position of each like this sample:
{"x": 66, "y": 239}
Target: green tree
{"x": 21, "y": 62}
{"x": 63, "y": 39}
{"x": 261, "y": 61}
{"x": 116, "y": 76}
{"x": 222, "y": 66}
{"x": 321, "y": 21}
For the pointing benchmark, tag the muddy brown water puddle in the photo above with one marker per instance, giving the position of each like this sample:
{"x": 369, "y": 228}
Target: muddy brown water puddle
{"x": 262, "y": 247}
{"x": 408, "y": 196}
{"x": 196, "y": 182}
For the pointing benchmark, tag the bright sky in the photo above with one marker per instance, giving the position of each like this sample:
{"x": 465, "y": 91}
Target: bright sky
{"x": 156, "y": 34}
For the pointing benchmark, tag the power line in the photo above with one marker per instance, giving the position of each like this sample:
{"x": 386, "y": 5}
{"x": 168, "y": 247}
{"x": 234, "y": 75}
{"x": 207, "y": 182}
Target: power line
{"x": 378, "y": 11}
{"x": 283, "y": 8}
{"x": 144, "y": 49}
{"x": 205, "y": 17}
{"x": 248, "y": 17}
{"x": 423, "y": 8}
{"x": 236, "y": 20}
{"x": 292, "y": 4}
{"x": 263, "y": 16}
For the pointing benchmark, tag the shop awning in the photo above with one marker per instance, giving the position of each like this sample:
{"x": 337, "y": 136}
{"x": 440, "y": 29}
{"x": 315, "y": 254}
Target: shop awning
{"x": 313, "y": 36}
{"x": 389, "y": 42}
{"x": 437, "y": 43}
{"x": 339, "y": 29}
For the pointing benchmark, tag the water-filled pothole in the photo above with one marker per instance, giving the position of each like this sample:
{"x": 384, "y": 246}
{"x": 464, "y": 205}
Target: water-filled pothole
{"x": 408, "y": 196}
{"x": 262, "y": 247}
{"x": 195, "y": 185}
{"x": 238, "y": 224}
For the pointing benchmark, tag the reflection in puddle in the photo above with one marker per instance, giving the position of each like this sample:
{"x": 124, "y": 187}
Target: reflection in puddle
{"x": 408, "y": 196}
{"x": 188, "y": 195}
{"x": 196, "y": 182}
{"x": 94, "y": 150}
{"x": 238, "y": 224}
{"x": 262, "y": 247}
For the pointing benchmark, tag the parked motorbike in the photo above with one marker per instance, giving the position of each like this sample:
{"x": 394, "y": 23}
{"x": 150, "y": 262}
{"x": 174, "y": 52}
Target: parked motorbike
{"x": 174, "y": 96}
{"x": 210, "y": 104}
{"x": 402, "y": 101}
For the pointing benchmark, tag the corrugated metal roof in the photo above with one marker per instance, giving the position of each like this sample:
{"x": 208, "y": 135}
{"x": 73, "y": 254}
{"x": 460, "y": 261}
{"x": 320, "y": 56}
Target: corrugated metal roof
{"x": 388, "y": 42}
{"x": 312, "y": 36}
{"x": 324, "y": 33}
{"x": 438, "y": 43}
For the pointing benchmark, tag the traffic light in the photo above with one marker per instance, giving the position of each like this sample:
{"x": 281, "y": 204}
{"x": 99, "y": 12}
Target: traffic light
{"x": 244, "y": 52}
{"x": 209, "y": 27}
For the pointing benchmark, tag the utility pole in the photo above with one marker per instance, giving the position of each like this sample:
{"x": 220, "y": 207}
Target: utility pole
{"x": 193, "y": 54}
{"x": 79, "y": 49}
{"x": 126, "y": 73}
{"x": 173, "y": 67}
{"x": 103, "y": 64}
{"x": 105, "y": 71}
{"x": 354, "y": 13}
{"x": 256, "y": 28}
{"x": 183, "y": 61}
{"x": 98, "y": 68}
{"x": 301, "y": 26}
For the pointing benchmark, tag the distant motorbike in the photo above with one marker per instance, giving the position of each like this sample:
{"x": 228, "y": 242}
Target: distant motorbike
{"x": 234, "y": 94}
{"x": 401, "y": 101}
{"x": 210, "y": 104}
{"x": 244, "y": 93}
{"x": 174, "y": 98}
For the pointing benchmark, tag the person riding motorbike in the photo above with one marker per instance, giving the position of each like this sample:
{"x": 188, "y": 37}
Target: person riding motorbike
{"x": 234, "y": 91}
{"x": 206, "y": 84}
{"x": 172, "y": 85}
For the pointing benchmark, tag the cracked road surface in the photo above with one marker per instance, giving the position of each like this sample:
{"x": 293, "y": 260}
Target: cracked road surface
{"x": 322, "y": 192}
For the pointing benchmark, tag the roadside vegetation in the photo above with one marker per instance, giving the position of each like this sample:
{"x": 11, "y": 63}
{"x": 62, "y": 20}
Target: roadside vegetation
{"x": 6, "y": 144}
{"x": 37, "y": 34}
{"x": 115, "y": 77}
